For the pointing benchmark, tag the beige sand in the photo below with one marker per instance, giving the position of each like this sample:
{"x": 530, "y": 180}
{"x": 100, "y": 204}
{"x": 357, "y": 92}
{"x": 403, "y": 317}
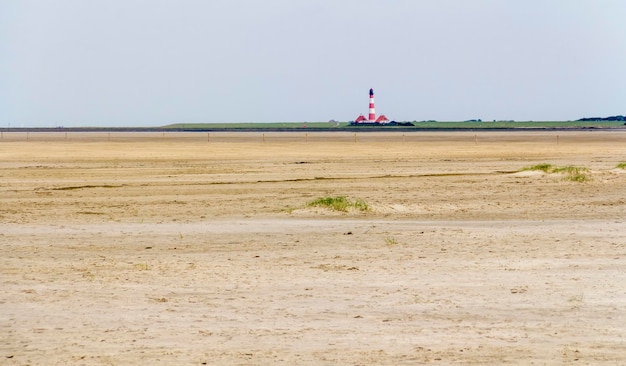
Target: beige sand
{"x": 196, "y": 248}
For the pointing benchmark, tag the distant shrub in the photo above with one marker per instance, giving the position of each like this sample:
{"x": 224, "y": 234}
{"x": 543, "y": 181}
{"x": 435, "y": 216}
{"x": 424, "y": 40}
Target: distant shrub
{"x": 621, "y": 166}
{"x": 339, "y": 203}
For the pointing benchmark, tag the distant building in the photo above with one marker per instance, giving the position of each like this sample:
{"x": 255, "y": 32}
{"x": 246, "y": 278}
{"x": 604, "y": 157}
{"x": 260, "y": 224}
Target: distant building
{"x": 371, "y": 118}
{"x": 382, "y": 119}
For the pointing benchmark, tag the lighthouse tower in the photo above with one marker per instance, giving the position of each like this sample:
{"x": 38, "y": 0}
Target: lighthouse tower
{"x": 372, "y": 115}
{"x": 371, "y": 119}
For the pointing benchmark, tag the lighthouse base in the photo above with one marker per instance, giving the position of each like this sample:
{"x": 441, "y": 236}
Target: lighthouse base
{"x": 382, "y": 124}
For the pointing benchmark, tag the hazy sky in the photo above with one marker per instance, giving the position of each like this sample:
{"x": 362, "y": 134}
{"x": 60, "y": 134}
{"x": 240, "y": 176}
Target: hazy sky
{"x": 155, "y": 62}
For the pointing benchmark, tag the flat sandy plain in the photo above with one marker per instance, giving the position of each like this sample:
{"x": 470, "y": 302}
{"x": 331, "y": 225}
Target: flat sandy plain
{"x": 196, "y": 248}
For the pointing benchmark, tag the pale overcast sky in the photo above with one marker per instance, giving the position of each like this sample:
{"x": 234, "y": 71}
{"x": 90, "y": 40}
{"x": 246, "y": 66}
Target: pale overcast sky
{"x": 155, "y": 62}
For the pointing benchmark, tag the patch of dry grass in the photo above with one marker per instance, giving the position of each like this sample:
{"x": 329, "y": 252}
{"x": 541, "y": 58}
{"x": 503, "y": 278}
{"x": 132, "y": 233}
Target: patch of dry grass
{"x": 572, "y": 173}
{"x": 339, "y": 203}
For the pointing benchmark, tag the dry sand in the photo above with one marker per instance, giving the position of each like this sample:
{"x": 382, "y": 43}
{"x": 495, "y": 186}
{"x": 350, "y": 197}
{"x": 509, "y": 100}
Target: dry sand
{"x": 196, "y": 248}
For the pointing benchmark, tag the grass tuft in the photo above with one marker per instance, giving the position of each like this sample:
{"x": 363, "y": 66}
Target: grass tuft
{"x": 141, "y": 266}
{"x": 572, "y": 173}
{"x": 546, "y": 168}
{"x": 621, "y": 166}
{"x": 391, "y": 241}
{"x": 339, "y": 203}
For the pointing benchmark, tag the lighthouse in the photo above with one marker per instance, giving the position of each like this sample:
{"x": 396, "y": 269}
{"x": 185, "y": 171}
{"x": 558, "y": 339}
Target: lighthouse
{"x": 371, "y": 118}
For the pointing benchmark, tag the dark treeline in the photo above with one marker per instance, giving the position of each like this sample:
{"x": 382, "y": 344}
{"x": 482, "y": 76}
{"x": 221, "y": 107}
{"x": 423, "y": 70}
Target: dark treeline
{"x": 612, "y": 118}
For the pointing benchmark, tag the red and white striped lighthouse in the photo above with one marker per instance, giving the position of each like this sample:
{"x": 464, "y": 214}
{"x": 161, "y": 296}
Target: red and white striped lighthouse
{"x": 372, "y": 116}
{"x": 371, "y": 119}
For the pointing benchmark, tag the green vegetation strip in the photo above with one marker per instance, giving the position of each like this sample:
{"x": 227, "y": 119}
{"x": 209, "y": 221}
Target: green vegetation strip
{"x": 339, "y": 203}
{"x": 417, "y": 125}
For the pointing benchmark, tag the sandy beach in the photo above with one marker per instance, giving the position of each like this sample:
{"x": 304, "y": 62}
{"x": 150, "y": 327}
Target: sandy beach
{"x": 200, "y": 248}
